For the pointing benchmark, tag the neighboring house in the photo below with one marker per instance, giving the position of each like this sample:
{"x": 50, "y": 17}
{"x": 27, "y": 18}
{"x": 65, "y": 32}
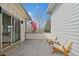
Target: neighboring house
{"x": 12, "y": 25}
{"x": 65, "y": 23}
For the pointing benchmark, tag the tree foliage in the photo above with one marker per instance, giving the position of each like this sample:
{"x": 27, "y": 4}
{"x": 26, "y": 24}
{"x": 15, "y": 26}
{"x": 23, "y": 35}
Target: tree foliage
{"x": 48, "y": 26}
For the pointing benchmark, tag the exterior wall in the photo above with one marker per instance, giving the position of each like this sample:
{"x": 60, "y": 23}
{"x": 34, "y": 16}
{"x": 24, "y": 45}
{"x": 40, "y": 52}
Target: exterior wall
{"x": 22, "y": 31}
{"x": 65, "y": 24}
{"x": 28, "y": 30}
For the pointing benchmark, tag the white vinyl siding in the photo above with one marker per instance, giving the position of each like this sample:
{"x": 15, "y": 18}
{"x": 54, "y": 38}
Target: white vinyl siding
{"x": 65, "y": 24}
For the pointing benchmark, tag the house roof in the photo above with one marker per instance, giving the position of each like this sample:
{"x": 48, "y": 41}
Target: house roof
{"x": 23, "y": 12}
{"x": 16, "y": 9}
{"x": 26, "y": 13}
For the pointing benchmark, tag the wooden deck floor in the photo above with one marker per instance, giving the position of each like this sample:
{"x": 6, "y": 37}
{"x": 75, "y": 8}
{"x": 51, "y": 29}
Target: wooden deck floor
{"x": 34, "y": 48}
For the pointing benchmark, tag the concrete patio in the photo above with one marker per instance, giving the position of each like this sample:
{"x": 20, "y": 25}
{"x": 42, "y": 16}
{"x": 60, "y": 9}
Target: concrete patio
{"x": 34, "y": 47}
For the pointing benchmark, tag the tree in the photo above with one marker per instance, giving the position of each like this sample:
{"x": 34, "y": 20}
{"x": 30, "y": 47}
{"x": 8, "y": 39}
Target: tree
{"x": 48, "y": 26}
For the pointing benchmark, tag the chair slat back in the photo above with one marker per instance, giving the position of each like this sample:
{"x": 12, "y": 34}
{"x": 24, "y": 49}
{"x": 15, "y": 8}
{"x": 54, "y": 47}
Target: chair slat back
{"x": 68, "y": 45}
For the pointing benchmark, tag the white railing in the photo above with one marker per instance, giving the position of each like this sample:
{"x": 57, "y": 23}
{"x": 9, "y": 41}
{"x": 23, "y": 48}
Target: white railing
{"x": 38, "y": 35}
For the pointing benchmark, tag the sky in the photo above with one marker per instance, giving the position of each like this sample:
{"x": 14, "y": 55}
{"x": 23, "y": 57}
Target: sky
{"x": 38, "y": 12}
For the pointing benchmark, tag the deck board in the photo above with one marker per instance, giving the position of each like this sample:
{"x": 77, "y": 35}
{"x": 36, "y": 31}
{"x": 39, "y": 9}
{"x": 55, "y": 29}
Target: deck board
{"x": 34, "y": 48}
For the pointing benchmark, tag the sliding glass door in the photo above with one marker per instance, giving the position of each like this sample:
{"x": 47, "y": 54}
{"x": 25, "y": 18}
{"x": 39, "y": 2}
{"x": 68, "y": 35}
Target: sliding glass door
{"x": 9, "y": 30}
{"x": 6, "y": 30}
{"x": 17, "y": 30}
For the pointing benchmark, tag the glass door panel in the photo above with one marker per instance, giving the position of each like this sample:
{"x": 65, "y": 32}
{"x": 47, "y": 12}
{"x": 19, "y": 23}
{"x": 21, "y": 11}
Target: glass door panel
{"x": 0, "y": 31}
{"x": 13, "y": 31}
{"x": 6, "y": 30}
{"x": 17, "y": 30}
